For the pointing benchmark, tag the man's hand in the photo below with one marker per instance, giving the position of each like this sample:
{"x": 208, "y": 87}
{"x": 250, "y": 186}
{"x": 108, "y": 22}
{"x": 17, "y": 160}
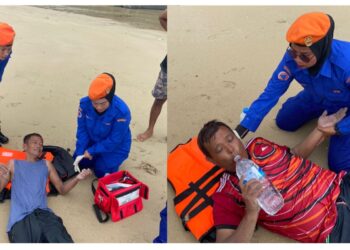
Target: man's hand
{"x": 84, "y": 174}
{"x": 326, "y": 123}
{"x": 4, "y": 176}
{"x": 87, "y": 155}
{"x": 250, "y": 192}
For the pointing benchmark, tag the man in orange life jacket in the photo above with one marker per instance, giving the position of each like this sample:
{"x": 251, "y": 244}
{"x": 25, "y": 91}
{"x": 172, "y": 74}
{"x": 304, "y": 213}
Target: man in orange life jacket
{"x": 7, "y": 36}
{"x": 316, "y": 200}
{"x": 31, "y": 221}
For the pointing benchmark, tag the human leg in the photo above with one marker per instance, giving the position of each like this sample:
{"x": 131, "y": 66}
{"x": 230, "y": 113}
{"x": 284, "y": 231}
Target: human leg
{"x": 108, "y": 163}
{"x": 296, "y": 111}
{"x": 3, "y": 138}
{"x": 27, "y": 230}
{"x": 52, "y": 227}
{"x": 154, "y": 114}
{"x": 160, "y": 94}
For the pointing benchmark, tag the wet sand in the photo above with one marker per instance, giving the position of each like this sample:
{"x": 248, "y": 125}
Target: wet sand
{"x": 220, "y": 59}
{"x": 56, "y": 55}
{"x": 139, "y": 18}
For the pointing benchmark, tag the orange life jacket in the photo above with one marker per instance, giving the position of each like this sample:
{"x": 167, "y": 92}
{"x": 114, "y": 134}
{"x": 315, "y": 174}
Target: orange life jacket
{"x": 8, "y": 154}
{"x": 194, "y": 180}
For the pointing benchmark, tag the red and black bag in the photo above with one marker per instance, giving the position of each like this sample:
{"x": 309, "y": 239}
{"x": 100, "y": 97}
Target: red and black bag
{"x": 118, "y": 194}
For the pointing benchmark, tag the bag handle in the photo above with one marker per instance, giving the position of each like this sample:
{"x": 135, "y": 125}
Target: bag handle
{"x": 97, "y": 210}
{"x": 98, "y": 214}
{"x": 93, "y": 189}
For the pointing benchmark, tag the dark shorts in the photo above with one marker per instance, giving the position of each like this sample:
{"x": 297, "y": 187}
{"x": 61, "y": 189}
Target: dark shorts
{"x": 341, "y": 230}
{"x": 160, "y": 89}
{"x": 40, "y": 226}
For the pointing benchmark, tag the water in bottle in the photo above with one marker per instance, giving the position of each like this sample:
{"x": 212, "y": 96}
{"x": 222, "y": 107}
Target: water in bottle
{"x": 270, "y": 200}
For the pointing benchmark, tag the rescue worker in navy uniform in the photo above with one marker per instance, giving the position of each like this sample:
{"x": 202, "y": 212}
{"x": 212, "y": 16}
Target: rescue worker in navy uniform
{"x": 7, "y": 36}
{"x": 103, "y": 134}
{"x": 321, "y": 65}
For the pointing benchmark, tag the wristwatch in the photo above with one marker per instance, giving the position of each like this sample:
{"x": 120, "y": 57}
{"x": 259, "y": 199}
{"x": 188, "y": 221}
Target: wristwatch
{"x": 241, "y": 131}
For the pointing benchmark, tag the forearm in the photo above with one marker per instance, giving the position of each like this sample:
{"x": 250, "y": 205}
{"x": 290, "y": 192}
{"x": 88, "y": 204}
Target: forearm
{"x": 245, "y": 230}
{"x": 68, "y": 185}
{"x": 306, "y": 147}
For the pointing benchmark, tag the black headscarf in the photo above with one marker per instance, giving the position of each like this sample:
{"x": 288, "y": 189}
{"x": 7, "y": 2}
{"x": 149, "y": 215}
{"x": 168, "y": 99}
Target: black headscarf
{"x": 322, "y": 48}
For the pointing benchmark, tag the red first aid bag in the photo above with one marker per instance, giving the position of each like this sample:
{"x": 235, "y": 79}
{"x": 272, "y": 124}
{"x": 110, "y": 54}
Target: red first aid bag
{"x": 118, "y": 194}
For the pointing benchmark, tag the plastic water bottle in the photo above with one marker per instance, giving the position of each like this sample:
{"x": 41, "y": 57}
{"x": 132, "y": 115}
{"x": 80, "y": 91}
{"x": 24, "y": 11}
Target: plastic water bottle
{"x": 270, "y": 200}
{"x": 244, "y": 112}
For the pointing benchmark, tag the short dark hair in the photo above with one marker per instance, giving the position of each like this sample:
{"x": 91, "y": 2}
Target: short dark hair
{"x": 207, "y": 132}
{"x": 28, "y": 136}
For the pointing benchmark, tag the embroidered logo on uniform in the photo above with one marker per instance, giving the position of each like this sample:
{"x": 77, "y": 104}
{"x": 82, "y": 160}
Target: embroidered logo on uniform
{"x": 121, "y": 120}
{"x": 336, "y": 91}
{"x": 283, "y": 76}
{"x": 79, "y": 113}
{"x": 308, "y": 41}
{"x": 348, "y": 80}
{"x": 107, "y": 123}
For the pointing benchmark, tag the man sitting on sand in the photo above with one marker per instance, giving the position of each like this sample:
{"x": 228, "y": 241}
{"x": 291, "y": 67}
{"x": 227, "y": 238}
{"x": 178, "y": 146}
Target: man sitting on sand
{"x": 316, "y": 200}
{"x": 31, "y": 221}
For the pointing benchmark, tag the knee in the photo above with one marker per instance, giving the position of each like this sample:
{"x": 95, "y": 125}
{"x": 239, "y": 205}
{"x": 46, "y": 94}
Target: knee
{"x": 285, "y": 124}
{"x": 338, "y": 161}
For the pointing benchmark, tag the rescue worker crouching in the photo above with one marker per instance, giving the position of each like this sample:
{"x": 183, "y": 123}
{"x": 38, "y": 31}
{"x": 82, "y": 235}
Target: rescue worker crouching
{"x": 103, "y": 134}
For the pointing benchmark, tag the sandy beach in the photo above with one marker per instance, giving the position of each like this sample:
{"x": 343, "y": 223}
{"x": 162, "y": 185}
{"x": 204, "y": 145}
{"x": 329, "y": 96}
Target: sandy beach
{"x": 220, "y": 59}
{"x": 55, "y": 57}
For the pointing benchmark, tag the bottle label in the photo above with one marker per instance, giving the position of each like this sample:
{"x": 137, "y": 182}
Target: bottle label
{"x": 253, "y": 173}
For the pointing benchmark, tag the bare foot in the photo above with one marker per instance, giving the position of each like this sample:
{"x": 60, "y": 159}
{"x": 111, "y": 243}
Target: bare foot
{"x": 145, "y": 135}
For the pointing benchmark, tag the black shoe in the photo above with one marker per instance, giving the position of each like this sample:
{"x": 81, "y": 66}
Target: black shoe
{"x": 3, "y": 139}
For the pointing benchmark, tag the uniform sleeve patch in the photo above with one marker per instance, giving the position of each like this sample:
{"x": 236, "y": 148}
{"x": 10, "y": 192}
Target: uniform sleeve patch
{"x": 283, "y": 76}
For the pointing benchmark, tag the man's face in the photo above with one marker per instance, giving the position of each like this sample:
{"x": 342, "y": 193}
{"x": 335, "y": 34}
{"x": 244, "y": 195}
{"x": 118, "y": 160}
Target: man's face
{"x": 101, "y": 105}
{"x": 5, "y": 51}
{"x": 34, "y": 146}
{"x": 303, "y": 56}
{"x": 223, "y": 147}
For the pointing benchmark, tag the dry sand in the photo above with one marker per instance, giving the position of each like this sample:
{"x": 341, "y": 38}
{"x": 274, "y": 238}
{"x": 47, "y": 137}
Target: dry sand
{"x": 220, "y": 59}
{"x": 55, "y": 57}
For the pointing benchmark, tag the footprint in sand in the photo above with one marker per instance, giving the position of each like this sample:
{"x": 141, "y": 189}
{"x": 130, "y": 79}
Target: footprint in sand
{"x": 13, "y": 104}
{"x": 229, "y": 71}
{"x": 205, "y": 96}
{"x": 230, "y": 84}
{"x": 148, "y": 168}
{"x": 281, "y": 21}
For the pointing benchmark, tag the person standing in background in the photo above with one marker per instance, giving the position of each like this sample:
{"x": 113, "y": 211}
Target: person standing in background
{"x": 160, "y": 89}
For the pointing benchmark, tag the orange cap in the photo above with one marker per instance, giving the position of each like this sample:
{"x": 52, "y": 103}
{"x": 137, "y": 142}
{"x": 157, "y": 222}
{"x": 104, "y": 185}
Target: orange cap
{"x": 100, "y": 87}
{"x": 7, "y": 34}
{"x": 308, "y": 29}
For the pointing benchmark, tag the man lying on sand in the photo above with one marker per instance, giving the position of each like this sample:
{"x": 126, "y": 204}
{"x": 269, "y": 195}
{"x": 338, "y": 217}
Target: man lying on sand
{"x": 316, "y": 200}
{"x": 31, "y": 221}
